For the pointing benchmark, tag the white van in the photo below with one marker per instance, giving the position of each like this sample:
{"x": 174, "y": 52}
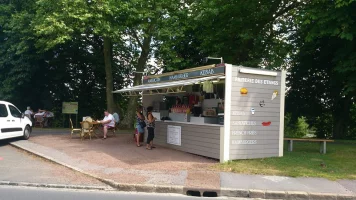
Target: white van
{"x": 13, "y": 123}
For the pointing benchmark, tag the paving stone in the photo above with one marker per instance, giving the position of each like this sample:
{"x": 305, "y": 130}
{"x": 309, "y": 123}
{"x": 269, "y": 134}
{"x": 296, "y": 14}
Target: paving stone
{"x": 257, "y": 194}
{"x": 275, "y": 195}
{"x": 292, "y": 195}
{"x": 346, "y": 197}
{"x": 230, "y": 192}
{"x": 145, "y": 188}
{"x": 322, "y": 196}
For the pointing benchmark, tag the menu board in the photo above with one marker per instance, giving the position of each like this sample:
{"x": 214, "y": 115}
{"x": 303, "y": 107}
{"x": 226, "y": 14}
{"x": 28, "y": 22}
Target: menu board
{"x": 174, "y": 134}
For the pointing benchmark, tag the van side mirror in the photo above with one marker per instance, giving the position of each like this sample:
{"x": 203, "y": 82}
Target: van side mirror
{"x": 22, "y": 115}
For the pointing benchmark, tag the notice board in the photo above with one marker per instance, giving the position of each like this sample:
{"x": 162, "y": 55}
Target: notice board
{"x": 174, "y": 134}
{"x": 70, "y": 108}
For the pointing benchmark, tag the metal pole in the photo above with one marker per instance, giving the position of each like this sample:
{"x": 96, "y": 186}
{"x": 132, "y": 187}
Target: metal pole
{"x": 76, "y": 121}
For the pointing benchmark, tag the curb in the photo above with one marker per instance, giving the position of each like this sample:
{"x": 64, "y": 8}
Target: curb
{"x": 295, "y": 195}
{"x": 227, "y": 192}
{"x": 62, "y": 186}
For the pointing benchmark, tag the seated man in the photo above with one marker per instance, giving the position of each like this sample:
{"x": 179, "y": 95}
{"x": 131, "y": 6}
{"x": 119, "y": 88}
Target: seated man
{"x": 48, "y": 116}
{"x": 108, "y": 122}
{"x": 40, "y": 112}
{"x": 29, "y": 112}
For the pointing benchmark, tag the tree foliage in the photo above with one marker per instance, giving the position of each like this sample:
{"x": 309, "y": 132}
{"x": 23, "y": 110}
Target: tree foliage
{"x": 322, "y": 79}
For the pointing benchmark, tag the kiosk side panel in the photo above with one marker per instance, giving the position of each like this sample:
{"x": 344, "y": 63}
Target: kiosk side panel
{"x": 196, "y": 139}
{"x": 255, "y": 113}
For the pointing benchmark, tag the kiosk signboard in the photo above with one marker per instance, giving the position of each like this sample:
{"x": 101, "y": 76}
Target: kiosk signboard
{"x": 186, "y": 75}
{"x": 70, "y": 108}
{"x": 255, "y": 115}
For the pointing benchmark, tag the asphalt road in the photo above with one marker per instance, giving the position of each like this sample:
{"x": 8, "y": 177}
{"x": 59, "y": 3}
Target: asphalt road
{"x": 19, "y": 193}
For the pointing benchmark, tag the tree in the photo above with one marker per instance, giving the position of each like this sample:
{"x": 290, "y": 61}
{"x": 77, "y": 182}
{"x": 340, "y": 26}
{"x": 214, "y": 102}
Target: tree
{"x": 57, "y": 22}
{"x": 248, "y": 33}
{"x": 323, "y": 75}
{"x": 19, "y": 61}
{"x": 150, "y": 24}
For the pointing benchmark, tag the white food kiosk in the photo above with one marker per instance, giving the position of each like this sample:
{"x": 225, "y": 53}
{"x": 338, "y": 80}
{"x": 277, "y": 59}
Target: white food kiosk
{"x": 219, "y": 111}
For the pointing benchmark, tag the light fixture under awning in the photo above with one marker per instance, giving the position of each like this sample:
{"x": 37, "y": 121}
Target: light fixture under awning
{"x": 171, "y": 87}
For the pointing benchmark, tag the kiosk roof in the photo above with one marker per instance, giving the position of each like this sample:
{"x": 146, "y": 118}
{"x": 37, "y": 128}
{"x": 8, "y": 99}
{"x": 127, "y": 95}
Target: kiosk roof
{"x": 167, "y": 84}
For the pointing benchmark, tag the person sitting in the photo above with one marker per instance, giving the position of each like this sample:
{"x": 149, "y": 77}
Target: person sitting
{"x": 29, "y": 112}
{"x": 40, "y": 112}
{"x": 108, "y": 122}
{"x": 48, "y": 117}
{"x": 116, "y": 117}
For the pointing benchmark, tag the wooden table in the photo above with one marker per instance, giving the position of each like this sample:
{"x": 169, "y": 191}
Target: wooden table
{"x": 321, "y": 141}
{"x": 96, "y": 127}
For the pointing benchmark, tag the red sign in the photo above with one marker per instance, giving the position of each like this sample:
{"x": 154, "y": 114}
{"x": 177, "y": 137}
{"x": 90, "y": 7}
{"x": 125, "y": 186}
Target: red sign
{"x": 266, "y": 123}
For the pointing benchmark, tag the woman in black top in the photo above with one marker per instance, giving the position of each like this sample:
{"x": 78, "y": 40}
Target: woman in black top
{"x": 150, "y": 128}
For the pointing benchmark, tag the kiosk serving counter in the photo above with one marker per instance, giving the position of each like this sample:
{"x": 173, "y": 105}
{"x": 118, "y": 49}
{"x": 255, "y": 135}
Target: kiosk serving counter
{"x": 220, "y": 111}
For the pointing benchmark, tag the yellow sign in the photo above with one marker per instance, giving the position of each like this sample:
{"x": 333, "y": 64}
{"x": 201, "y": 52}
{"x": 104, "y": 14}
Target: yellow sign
{"x": 243, "y": 91}
{"x": 70, "y": 108}
{"x": 274, "y": 94}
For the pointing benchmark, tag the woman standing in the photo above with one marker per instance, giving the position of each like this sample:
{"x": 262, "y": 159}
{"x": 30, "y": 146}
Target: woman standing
{"x": 150, "y": 128}
{"x": 140, "y": 125}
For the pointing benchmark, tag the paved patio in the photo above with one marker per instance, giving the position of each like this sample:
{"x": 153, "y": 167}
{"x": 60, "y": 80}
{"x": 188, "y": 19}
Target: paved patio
{"x": 117, "y": 158}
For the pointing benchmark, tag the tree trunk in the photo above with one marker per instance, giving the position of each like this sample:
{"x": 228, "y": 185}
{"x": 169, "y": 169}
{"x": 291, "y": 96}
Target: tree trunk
{"x": 145, "y": 50}
{"x": 341, "y": 116}
{"x": 109, "y": 78}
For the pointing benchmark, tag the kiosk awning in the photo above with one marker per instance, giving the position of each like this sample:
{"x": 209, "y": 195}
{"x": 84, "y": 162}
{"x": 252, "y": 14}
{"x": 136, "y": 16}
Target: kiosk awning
{"x": 164, "y": 88}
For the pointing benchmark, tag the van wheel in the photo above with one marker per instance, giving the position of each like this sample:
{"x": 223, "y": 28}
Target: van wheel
{"x": 26, "y": 133}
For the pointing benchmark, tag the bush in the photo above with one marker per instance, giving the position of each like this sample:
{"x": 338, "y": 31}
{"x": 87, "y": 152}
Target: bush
{"x": 298, "y": 129}
{"x": 324, "y": 125}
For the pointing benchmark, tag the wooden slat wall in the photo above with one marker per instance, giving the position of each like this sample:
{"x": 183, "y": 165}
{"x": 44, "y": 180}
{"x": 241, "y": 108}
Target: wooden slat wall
{"x": 197, "y": 139}
{"x": 264, "y": 142}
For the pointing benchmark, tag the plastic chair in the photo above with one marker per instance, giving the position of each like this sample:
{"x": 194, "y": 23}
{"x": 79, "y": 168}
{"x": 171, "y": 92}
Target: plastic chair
{"x": 74, "y": 130}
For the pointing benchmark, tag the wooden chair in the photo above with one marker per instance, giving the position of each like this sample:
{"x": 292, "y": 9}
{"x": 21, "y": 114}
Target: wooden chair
{"x": 74, "y": 130}
{"x": 112, "y": 130}
{"x": 87, "y": 129}
{"x": 88, "y": 119}
{"x": 116, "y": 126}
{"x": 39, "y": 121}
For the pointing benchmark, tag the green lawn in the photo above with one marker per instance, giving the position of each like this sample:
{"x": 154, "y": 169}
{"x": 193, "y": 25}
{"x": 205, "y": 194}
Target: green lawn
{"x": 305, "y": 161}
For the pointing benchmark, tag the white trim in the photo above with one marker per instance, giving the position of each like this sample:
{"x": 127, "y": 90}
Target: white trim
{"x": 227, "y": 113}
{"x": 281, "y": 112}
{"x": 258, "y": 72}
{"x": 222, "y": 143}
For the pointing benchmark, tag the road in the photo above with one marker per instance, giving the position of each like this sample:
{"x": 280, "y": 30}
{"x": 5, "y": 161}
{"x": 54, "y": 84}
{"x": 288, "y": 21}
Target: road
{"x": 19, "y": 166}
{"x": 19, "y": 193}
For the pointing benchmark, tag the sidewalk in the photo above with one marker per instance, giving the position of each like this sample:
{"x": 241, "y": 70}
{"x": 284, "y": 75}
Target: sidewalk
{"x": 21, "y": 168}
{"x": 119, "y": 163}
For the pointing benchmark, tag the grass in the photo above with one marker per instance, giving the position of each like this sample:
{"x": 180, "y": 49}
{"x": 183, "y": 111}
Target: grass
{"x": 339, "y": 162}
